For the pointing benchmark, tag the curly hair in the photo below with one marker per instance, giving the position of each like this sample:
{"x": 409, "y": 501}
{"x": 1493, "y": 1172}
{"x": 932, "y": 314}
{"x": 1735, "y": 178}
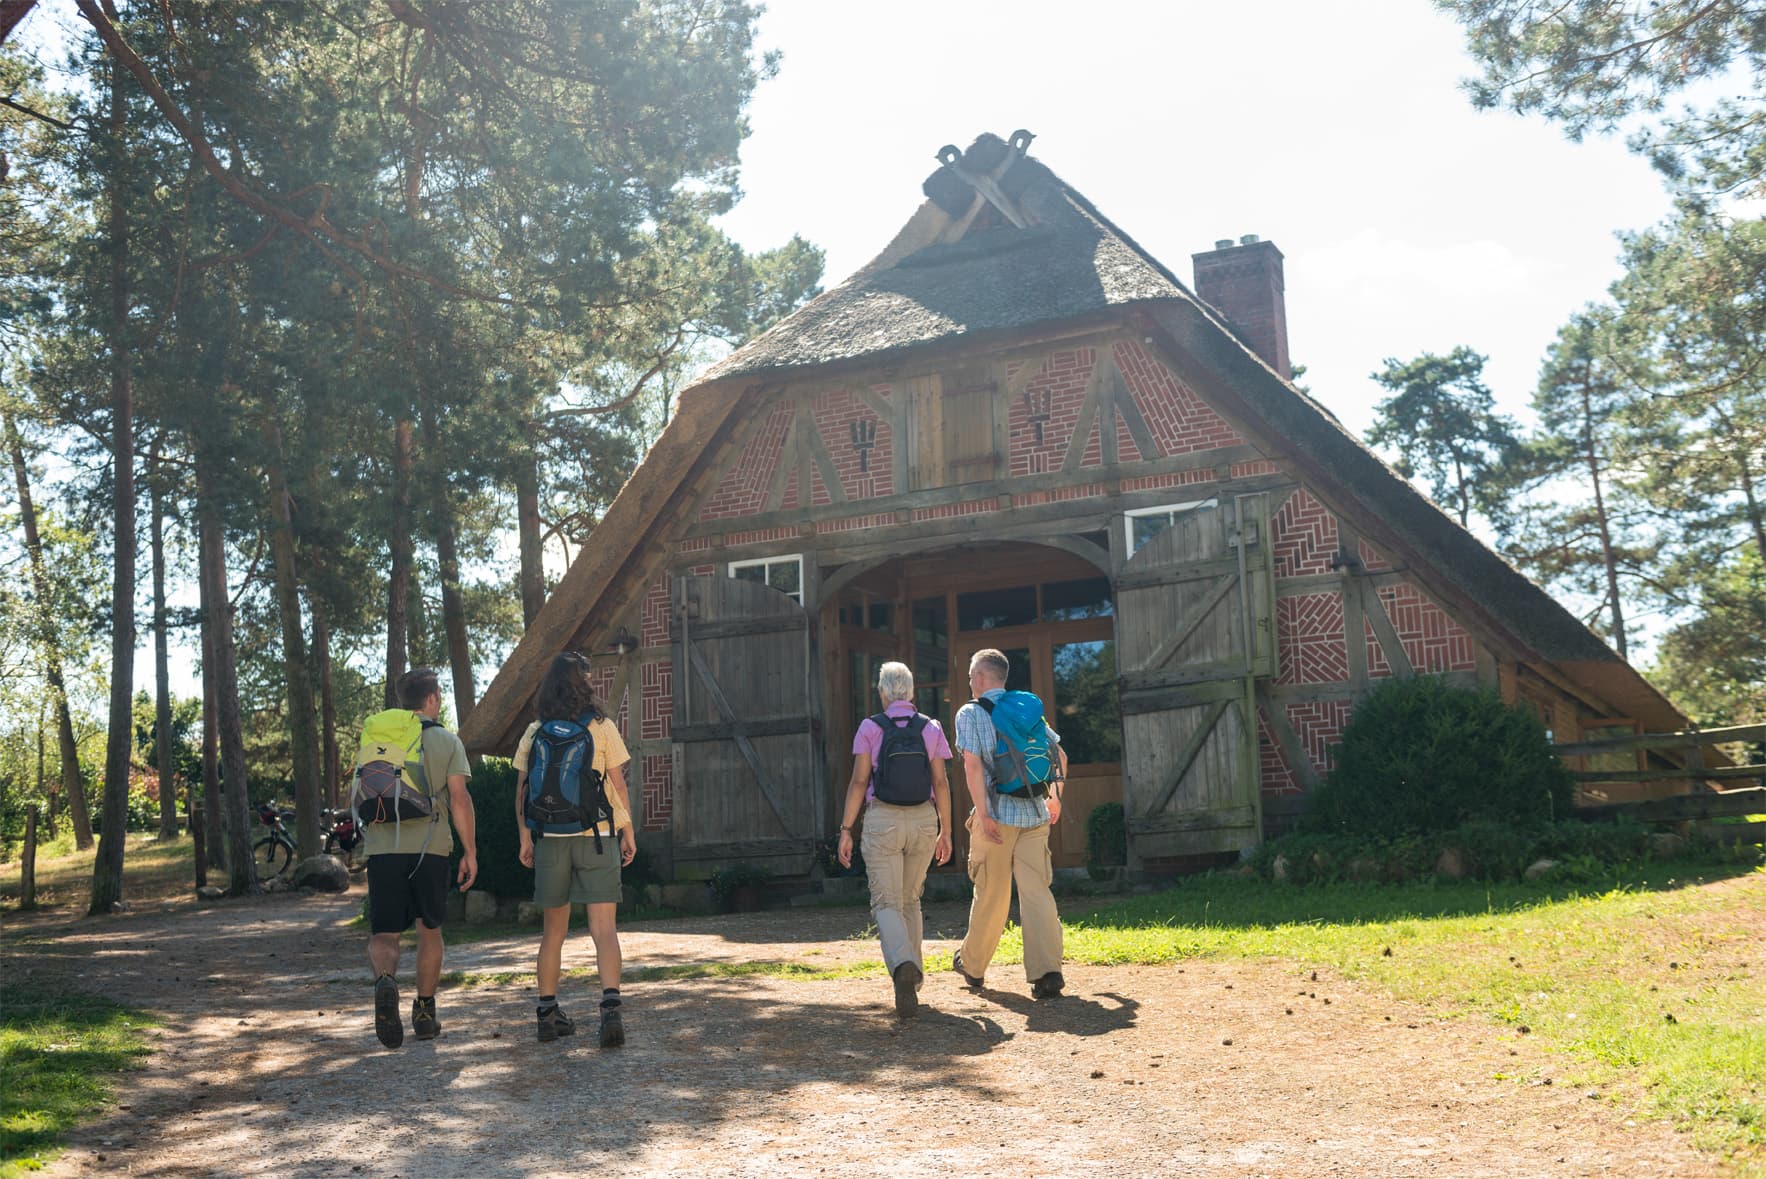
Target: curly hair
{"x": 566, "y": 693}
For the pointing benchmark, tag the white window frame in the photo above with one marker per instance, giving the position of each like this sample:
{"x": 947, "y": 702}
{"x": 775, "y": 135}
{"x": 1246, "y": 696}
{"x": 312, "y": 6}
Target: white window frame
{"x": 778, "y": 560}
{"x": 1188, "y": 505}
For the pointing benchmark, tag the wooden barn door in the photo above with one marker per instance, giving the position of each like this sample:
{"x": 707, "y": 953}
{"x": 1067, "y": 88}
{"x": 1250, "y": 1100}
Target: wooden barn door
{"x": 1194, "y": 632}
{"x": 747, "y": 783}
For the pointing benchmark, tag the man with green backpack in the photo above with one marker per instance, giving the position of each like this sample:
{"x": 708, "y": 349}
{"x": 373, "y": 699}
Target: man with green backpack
{"x": 1015, "y": 767}
{"x": 409, "y": 796}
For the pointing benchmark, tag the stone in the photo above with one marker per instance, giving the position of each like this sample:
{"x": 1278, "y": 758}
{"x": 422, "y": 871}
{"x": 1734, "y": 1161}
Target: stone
{"x": 526, "y": 913}
{"x": 1279, "y": 869}
{"x": 1665, "y": 845}
{"x": 322, "y": 873}
{"x": 481, "y": 907}
{"x": 1451, "y": 865}
{"x": 1364, "y": 869}
{"x": 210, "y": 892}
{"x": 1539, "y": 869}
{"x": 456, "y": 905}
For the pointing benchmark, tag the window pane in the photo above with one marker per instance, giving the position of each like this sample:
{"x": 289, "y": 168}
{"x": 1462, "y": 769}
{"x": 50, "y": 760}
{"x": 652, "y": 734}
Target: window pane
{"x": 1065, "y": 600}
{"x": 857, "y": 691}
{"x": 785, "y": 576}
{"x": 883, "y": 617}
{"x": 991, "y": 609}
{"x": 931, "y": 623}
{"x": 750, "y": 573}
{"x": 1086, "y": 712}
{"x": 935, "y": 703}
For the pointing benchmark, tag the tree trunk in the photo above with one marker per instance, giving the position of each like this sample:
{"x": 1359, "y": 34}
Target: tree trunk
{"x": 217, "y": 613}
{"x": 1611, "y": 565}
{"x": 107, "y": 869}
{"x": 72, "y": 785}
{"x": 215, "y": 843}
{"x": 162, "y": 674}
{"x": 303, "y": 726}
{"x": 27, "y": 875}
{"x": 448, "y": 561}
{"x": 527, "y": 517}
{"x": 398, "y": 584}
{"x": 330, "y": 766}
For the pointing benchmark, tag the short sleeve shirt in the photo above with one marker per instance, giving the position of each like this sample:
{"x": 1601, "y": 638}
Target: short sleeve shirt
{"x": 869, "y": 740}
{"x": 443, "y": 757}
{"x": 975, "y": 734}
{"x": 610, "y": 753}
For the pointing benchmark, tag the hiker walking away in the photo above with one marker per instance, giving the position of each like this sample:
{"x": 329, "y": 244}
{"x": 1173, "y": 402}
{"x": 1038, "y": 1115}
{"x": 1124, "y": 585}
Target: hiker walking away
{"x": 898, "y": 761}
{"x": 1014, "y": 766}
{"x": 409, "y": 796}
{"x": 574, "y": 816}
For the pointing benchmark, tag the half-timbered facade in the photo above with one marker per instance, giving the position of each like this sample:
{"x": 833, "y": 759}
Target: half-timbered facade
{"x": 1016, "y": 429}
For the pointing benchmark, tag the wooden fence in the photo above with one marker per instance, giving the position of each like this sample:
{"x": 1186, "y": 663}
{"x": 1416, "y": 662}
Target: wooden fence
{"x": 1730, "y": 790}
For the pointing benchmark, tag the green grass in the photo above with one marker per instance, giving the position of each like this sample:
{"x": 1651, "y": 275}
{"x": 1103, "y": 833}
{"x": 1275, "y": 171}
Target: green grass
{"x": 1641, "y": 981}
{"x": 56, "y": 1052}
{"x": 151, "y": 871}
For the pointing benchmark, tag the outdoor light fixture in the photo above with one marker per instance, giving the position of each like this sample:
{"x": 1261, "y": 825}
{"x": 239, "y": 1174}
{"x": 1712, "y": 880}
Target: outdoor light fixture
{"x": 623, "y": 642}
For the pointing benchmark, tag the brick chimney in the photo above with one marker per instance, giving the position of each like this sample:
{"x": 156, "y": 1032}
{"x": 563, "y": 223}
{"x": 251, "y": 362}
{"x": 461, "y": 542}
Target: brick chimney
{"x": 1244, "y": 283}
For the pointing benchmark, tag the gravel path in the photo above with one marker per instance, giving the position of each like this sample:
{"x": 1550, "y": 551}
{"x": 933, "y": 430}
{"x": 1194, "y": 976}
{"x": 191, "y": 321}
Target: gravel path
{"x": 267, "y": 1065}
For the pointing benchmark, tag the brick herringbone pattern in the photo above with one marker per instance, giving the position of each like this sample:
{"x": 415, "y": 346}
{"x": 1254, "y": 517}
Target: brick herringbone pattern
{"x": 1305, "y": 535}
{"x": 1310, "y": 633}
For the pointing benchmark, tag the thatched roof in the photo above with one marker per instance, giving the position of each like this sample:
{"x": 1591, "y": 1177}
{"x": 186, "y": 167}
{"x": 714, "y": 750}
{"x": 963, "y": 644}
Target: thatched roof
{"x": 1001, "y": 248}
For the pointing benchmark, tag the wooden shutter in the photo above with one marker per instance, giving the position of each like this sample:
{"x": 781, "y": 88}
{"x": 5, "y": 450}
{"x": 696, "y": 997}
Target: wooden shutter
{"x": 1194, "y": 632}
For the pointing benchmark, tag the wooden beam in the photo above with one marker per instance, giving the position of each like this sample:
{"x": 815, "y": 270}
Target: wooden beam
{"x": 1088, "y": 413}
{"x": 1293, "y": 752}
{"x": 1685, "y": 739}
{"x": 1131, "y": 414}
{"x": 730, "y": 730}
{"x": 1724, "y": 774}
{"x": 1390, "y": 643}
{"x": 1102, "y": 373}
{"x": 1707, "y": 805}
{"x": 877, "y": 405}
{"x": 729, "y": 628}
{"x": 824, "y": 462}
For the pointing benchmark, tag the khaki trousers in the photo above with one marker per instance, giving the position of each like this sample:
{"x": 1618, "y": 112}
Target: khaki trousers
{"x": 1022, "y": 855}
{"x": 897, "y": 846}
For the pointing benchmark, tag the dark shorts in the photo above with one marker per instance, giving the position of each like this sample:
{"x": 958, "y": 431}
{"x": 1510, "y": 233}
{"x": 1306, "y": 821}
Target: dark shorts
{"x": 404, "y": 887}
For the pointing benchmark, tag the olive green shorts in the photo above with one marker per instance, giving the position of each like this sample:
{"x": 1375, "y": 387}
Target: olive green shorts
{"x": 567, "y": 870}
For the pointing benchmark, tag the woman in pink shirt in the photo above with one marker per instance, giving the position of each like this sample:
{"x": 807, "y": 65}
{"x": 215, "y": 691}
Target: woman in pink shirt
{"x": 898, "y": 761}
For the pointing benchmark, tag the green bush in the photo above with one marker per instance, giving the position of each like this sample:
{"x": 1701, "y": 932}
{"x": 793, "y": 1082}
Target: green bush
{"x": 1423, "y": 754}
{"x": 1106, "y": 836}
{"x": 499, "y": 843}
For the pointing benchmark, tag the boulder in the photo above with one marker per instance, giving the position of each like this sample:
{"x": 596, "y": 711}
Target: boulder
{"x": 1451, "y": 865}
{"x": 1363, "y": 869}
{"x": 481, "y": 907}
{"x": 526, "y": 913}
{"x": 1665, "y": 845}
{"x": 1279, "y": 869}
{"x": 322, "y": 873}
{"x": 1539, "y": 869}
{"x": 210, "y": 892}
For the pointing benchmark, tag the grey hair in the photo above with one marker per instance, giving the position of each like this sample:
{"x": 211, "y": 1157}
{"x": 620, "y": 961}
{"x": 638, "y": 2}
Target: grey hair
{"x": 895, "y": 682}
{"x": 993, "y": 662}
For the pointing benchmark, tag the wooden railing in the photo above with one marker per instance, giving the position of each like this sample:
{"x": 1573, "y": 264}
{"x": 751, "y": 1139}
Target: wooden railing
{"x": 1746, "y": 797}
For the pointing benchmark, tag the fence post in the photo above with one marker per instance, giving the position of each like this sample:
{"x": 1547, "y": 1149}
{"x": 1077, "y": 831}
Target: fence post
{"x": 27, "y": 880}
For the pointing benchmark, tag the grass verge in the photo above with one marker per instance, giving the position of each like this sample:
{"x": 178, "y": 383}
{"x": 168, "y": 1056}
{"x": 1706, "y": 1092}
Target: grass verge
{"x": 151, "y": 871}
{"x": 56, "y": 1054}
{"x": 1649, "y": 979}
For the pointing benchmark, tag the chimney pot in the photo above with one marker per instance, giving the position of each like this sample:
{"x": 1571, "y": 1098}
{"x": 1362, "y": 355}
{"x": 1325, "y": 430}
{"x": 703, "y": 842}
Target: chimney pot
{"x": 1223, "y": 243}
{"x": 1248, "y": 239}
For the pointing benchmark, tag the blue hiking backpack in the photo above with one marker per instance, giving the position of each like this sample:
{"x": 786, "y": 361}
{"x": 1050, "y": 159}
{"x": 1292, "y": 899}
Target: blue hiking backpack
{"x": 1022, "y": 748}
{"x": 902, "y": 775}
{"x": 565, "y": 793}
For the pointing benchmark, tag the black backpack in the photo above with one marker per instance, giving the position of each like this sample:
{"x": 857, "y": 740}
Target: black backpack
{"x": 903, "y": 773}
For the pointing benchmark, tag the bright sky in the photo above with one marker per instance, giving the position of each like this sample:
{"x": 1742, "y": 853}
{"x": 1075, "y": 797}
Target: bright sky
{"x": 1410, "y": 222}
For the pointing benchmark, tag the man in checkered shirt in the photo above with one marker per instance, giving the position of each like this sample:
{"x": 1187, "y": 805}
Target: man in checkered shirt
{"x": 1008, "y": 841}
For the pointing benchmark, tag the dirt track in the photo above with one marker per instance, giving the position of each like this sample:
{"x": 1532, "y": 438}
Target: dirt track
{"x": 267, "y": 1065}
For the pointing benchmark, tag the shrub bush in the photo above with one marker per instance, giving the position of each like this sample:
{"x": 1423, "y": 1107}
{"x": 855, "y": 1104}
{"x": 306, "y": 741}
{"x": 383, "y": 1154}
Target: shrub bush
{"x": 1106, "y": 836}
{"x": 1426, "y": 755}
{"x": 493, "y": 800}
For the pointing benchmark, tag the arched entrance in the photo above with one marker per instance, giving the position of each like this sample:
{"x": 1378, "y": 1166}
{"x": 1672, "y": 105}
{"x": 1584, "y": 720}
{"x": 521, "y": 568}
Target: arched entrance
{"x": 1049, "y": 609}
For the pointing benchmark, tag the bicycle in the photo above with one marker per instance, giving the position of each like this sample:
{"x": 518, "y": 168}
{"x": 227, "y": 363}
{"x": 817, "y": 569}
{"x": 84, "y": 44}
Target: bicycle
{"x": 275, "y": 850}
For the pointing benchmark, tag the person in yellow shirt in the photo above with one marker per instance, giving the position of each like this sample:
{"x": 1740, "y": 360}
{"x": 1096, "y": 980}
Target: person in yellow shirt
{"x": 574, "y": 816}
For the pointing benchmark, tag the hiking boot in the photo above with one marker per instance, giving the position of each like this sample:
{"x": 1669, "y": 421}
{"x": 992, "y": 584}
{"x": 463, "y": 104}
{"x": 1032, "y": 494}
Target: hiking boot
{"x": 555, "y": 1023}
{"x": 969, "y": 980}
{"x": 387, "y": 1024}
{"x": 424, "y": 1024}
{"x": 907, "y": 990}
{"x": 1048, "y": 986}
{"x": 612, "y": 1028}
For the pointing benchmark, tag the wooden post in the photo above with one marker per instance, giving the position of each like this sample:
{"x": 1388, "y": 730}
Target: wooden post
{"x": 27, "y": 880}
